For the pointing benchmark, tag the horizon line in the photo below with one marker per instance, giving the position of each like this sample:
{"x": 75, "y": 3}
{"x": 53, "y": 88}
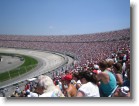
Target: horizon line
{"x": 93, "y": 33}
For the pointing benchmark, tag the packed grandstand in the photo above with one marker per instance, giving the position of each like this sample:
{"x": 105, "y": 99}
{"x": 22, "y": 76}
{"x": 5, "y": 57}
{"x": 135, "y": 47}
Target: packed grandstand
{"x": 101, "y": 67}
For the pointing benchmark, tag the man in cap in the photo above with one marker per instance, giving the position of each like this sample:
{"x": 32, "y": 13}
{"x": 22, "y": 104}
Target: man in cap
{"x": 70, "y": 89}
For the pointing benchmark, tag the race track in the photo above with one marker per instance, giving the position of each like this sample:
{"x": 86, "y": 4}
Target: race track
{"x": 47, "y": 62}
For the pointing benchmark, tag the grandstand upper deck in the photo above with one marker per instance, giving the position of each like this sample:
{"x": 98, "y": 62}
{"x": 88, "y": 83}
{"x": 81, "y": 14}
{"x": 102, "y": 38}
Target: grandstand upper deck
{"x": 123, "y": 34}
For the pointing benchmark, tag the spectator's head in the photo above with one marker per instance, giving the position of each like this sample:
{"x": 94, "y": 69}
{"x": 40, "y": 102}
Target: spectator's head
{"x": 67, "y": 78}
{"x": 28, "y": 92}
{"x": 87, "y": 76}
{"x": 56, "y": 82}
{"x": 96, "y": 67}
{"x": 122, "y": 92}
{"x": 23, "y": 93}
{"x": 117, "y": 68}
{"x": 66, "y": 72}
{"x": 110, "y": 62}
{"x": 45, "y": 83}
{"x": 75, "y": 76}
{"x": 103, "y": 65}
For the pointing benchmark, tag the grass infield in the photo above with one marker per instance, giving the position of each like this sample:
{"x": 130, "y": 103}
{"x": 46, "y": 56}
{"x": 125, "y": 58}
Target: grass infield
{"x": 29, "y": 63}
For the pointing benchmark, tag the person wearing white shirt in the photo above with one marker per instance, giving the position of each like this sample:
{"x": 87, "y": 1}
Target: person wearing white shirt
{"x": 89, "y": 86}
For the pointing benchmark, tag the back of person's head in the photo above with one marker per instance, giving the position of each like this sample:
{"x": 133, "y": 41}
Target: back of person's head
{"x": 23, "y": 93}
{"x": 89, "y": 76}
{"x": 46, "y": 82}
{"x": 56, "y": 82}
{"x": 67, "y": 78}
{"x": 76, "y": 75}
{"x": 66, "y": 72}
{"x": 96, "y": 67}
{"x": 110, "y": 62}
{"x": 28, "y": 92}
{"x": 103, "y": 65}
{"x": 117, "y": 67}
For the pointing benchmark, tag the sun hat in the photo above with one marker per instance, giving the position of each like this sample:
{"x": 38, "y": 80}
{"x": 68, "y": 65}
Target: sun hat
{"x": 125, "y": 90}
{"x": 96, "y": 67}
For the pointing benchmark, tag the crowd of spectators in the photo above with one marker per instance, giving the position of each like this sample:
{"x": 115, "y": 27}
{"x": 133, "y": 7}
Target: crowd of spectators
{"x": 107, "y": 78}
{"x": 102, "y": 68}
{"x": 90, "y": 46}
{"x": 119, "y": 34}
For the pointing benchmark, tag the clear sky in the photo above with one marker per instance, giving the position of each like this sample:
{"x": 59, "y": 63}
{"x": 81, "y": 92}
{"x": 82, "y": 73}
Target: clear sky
{"x": 63, "y": 17}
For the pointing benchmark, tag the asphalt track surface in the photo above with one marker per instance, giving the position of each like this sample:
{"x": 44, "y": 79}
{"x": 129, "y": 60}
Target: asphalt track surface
{"x": 47, "y": 62}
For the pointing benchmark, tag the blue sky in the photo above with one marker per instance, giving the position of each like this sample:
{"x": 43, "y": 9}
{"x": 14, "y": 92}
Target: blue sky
{"x": 63, "y": 17}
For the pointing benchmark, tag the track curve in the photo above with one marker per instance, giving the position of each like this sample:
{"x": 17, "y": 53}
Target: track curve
{"x": 47, "y": 62}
